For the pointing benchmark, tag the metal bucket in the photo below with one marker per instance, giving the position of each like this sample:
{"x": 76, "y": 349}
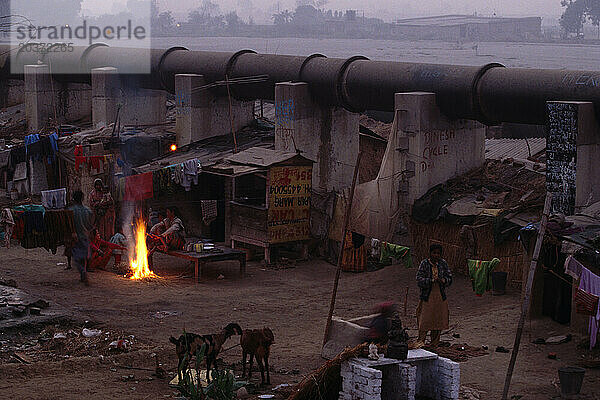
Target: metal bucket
{"x": 499, "y": 283}
{"x": 571, "y": 379}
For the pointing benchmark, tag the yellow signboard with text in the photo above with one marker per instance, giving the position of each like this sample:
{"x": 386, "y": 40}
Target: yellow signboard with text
{"x": 289, "y": 203}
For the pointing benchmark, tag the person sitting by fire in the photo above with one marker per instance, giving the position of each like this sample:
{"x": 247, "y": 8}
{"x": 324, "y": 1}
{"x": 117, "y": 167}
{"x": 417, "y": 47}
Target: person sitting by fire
{"x": 169, "y": 234}
{"x": 102, "y": 251}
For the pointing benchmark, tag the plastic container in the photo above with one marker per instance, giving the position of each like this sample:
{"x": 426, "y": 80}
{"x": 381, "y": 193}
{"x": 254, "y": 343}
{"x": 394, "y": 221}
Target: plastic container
{"x": 571, "y": 379}
{"x": 499, "y": 283}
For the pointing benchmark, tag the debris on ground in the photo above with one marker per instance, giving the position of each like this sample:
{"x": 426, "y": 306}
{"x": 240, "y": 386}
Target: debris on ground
{"x": 468, "y": 393}
{"x": 558, "y": 339}
{"x": 91, "y": 332}
{"x": 458, "y": 352}
{"x": 8, "y": 282}
{"x": 165, "y": 314}
{"x": 502, "y": 349}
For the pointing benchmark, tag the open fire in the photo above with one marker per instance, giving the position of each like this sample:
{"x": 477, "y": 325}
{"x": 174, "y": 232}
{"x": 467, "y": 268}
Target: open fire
{"x": 139, "y": 265}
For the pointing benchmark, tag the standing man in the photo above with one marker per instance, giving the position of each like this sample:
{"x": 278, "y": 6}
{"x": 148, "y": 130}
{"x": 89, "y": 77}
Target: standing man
{"x": 433, "y": 278}
{"x": 82, "y": 219}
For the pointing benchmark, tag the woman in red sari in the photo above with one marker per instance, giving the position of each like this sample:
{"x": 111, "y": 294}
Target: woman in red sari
{"x": 102, "y": 204}
{"x": 102, "y": 251}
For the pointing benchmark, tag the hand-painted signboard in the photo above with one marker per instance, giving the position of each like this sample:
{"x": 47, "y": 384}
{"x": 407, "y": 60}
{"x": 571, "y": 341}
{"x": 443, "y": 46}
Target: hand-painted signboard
{"x": 289, "y": 203}
{"x": 561, "y": 152}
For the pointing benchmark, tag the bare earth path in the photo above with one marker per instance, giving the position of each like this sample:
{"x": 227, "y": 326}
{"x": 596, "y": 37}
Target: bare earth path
{"x": 293, "y": 302}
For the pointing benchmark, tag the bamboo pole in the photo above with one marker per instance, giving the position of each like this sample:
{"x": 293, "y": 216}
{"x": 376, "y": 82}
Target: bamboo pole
{"x": 339, "y": 262}
{"x": 526, "y": 298}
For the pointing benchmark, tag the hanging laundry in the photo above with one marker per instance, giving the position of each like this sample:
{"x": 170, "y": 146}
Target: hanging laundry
{"x": 590, "y": 283}
{"x": 480, "y": 273}
{"x": 54, "y": 199}
{"x": 353, "y": 259}
{"x": 40, "y": 149}
{"x": 209, "y": 211}
{"x": 391, "y": 252}
{"x": 138, "y": 187}
{"x": 59, "y": 229}
{"x": 35, "y": 230}
{"x": 31, "y": 139}
{"x": 191, "y": 170}
{"x": 177, "y": 174}
{"x": 586, "y": 303}
{"x": 573, "y": 267}
{"x": 4, "y": 158}
{"x": 161, "y": 182}
{"x": 17, "y": 156}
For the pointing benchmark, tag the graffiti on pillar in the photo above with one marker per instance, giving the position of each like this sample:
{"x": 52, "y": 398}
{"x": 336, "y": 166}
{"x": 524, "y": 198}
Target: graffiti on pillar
{"x": 182, "y": 104}
{"x": 284, "y": 113}
{"x": 561, "y": 152}
{"x": 436, "y": 147}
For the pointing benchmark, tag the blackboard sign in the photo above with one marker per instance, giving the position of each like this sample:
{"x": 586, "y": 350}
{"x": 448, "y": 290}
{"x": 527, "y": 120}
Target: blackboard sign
{"x": 561, "y": 152}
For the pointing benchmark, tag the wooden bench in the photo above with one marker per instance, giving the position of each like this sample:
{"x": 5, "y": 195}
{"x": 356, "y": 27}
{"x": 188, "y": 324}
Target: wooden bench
{"x": 200, "y": 259}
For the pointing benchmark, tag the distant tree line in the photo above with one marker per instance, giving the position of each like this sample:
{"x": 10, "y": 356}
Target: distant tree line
{"x": 577, "y": 13}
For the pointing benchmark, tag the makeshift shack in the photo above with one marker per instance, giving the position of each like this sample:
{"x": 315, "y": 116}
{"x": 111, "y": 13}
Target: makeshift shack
{"x": 478, "y": 216}
{"x": 204, "y": 205}
{"x": 271, "y": 197}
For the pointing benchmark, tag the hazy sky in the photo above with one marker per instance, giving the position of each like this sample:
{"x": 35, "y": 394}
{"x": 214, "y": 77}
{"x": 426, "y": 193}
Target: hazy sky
{"x": 386, "y": 9}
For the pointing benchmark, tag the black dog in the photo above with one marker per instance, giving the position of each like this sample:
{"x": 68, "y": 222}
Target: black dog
{"x": 189, "y": 343}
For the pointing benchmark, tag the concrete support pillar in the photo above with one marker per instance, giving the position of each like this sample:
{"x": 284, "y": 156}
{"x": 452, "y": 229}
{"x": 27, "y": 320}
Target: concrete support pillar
{"x": 138, "y": 106}
{"x": 327, "y": 135}
{"x": 40, "y": 99}
{"x": 106, "y": 88}
{"x": 49, "y": 102}
{"x": 433, "y": 148}
{"x": 572, "y": 170}
{"x": 201, "y": 115}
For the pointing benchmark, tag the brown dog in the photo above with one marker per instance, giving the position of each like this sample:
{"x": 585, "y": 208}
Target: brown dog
{"x": 257, "y": 343}
{"x": 189, "y": 343}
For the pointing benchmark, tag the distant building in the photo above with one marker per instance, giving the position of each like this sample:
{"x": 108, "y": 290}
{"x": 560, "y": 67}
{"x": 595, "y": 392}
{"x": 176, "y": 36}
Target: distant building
{"x": 468, "y": 27}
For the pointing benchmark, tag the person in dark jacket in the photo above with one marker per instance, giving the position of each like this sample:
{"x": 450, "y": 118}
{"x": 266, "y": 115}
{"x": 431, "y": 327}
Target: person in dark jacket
{"x": 433, "y": 277}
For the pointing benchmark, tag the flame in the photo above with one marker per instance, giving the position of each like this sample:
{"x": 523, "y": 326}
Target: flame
{"x": 139, "y": 267}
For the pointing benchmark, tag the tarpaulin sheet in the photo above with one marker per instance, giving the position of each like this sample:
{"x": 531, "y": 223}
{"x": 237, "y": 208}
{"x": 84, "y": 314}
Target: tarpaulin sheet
{"x": 376, "y": 209}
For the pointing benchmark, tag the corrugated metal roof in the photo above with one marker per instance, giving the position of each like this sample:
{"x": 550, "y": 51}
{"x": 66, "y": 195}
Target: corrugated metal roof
{"x": 262, "y": 157}
{"x": 498, "y": 149}
{"x": 212, "y": 150}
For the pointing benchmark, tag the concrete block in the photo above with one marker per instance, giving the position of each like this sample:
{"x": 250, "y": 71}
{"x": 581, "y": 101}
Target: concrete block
{"x": 106, "y": 87}
{"x": 438, "y": 148}
{"x": 327, "y": 135}
{"x": 49, "y": 102}
{"x": 202, "y": 115}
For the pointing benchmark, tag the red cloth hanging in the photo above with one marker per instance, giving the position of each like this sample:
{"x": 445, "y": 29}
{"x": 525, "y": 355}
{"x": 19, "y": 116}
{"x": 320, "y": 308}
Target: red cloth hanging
{"x": 138, "y": 187}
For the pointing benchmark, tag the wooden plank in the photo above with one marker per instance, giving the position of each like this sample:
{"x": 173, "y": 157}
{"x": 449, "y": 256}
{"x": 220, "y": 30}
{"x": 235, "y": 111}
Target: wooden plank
{"x": 526, "y": 299}
{"x": 339, "y": 262}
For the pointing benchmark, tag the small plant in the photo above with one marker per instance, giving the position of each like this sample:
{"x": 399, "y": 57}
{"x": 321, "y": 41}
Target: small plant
{"x": 186, "y": 384}
{"x": 223, "y": 385}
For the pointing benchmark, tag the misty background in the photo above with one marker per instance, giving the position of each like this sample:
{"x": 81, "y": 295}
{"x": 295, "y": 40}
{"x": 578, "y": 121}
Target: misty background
{"x": 262, "y": 10}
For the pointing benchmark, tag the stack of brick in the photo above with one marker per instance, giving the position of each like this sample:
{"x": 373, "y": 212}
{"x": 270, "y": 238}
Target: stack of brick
{"x": 448, "y": 379}
{"x": 408, "y": 381}
{"x": 423, "y": 374}
{"x": 360, "y": 382}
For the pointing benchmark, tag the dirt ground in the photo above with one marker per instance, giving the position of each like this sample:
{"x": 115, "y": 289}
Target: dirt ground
{"x": 292, "y": 301}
